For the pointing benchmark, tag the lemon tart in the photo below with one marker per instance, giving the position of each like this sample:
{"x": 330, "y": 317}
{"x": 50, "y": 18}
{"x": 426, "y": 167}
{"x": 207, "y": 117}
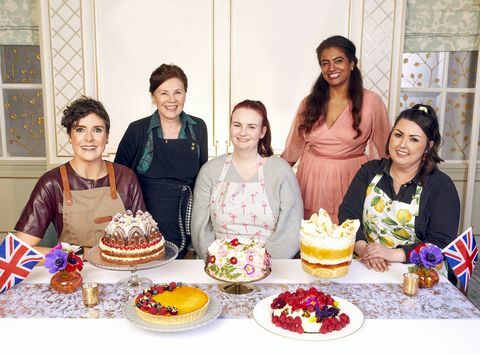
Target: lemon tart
{"x": 171, "y": 304}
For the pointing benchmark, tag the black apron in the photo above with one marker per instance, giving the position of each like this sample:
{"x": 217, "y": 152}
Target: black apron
{"x": 167, "y": 187}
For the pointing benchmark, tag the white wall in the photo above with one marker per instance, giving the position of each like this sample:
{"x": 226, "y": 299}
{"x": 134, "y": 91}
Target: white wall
{"x": 268, "y": 47}
{"x": 131, "y": 41}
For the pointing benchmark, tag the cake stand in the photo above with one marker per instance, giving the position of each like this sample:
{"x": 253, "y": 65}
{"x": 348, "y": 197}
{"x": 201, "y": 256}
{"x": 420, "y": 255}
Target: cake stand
{"x": 134, "y": 281}
{"x": 237, "y": 288}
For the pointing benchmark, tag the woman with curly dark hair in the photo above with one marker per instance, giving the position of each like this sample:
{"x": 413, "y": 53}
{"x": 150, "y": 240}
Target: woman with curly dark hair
{"x": 333, "y": 127}
{"x": 80, "y": 197}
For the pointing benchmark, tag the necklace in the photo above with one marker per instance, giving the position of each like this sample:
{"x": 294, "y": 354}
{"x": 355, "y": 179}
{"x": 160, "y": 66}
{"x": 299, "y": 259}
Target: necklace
{"x": 397, "y": 183}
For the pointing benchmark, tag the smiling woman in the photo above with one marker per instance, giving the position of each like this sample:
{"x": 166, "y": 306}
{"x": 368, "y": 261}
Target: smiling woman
{"x": 166, "y": 150}
{"x": 81, "y": 196}
{"x": 249, "y": 193}
{"x": 334, "y": 125}
{"x": 403, "y": 200}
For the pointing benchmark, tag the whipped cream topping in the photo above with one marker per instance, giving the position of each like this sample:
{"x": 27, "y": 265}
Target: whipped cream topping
{"x": 132, "y": 258}
{"x": 320, "y": 232}
{"x": 127, "y": 221}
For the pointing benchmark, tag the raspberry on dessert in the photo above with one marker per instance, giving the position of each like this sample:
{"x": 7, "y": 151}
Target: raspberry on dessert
{"x": 311, "y": 310}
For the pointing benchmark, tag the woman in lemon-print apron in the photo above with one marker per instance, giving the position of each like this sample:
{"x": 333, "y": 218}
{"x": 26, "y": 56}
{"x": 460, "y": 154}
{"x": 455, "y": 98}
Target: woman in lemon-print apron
{"x": 81, "y": 196}
{"x": 249, "y": 193}
{"x": 403, "y": 200}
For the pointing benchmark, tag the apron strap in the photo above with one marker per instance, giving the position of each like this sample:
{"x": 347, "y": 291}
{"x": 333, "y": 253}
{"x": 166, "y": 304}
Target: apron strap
{"x": 377, "y": 178}
{"x": 111, "y": 178}
{"x": 226, "y": 165}
{"x": 67, "y": 193}
{"x": 260, "y": 168}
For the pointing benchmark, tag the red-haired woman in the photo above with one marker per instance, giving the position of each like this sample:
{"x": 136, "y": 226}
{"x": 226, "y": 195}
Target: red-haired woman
{"x": 249, "y": 193}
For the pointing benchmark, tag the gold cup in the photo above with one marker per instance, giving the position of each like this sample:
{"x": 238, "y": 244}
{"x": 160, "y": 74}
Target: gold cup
{"x": 410, "y": 283}
{"x": 90, "y": 294}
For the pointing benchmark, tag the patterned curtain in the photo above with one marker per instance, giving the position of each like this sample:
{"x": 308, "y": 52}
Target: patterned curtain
{"x": 19, "y": 21}
{"x": 442, "y": 25}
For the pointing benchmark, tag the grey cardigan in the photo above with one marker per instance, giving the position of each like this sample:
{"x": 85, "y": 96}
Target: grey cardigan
{"x": 283, "y": 196}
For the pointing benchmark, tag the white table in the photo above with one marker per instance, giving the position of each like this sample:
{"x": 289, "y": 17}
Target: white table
{"x": 234, "y": 336}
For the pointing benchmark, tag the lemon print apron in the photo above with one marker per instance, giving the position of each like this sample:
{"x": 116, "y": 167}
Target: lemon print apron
{"x": 389, "y": 222}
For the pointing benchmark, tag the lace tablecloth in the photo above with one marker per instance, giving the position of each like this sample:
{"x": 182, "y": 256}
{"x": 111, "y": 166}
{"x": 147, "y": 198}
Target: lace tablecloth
{"x": 376, "y": 301}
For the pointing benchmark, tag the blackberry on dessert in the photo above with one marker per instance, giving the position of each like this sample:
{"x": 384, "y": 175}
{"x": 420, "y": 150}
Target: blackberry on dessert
{"x": 131, "y": 240}
{"x": 308, "y": 311}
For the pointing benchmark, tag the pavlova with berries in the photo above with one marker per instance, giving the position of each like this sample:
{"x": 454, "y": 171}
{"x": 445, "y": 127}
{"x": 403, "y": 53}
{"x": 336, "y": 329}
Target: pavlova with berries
{"x": 308, "y": 311}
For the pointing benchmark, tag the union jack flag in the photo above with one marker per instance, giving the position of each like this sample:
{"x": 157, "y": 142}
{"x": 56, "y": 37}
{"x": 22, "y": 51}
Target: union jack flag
{"x": 17, "y": 260}
{"x": 462, "y": 256}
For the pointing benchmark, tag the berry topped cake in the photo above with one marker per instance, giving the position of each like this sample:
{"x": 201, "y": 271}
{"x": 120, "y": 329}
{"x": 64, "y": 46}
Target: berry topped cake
{"x": 326, "y": 249}
{"x": 238, "y": 259}
{"x": 308, "y": 311}
{"x": 171, "y": 304}
{"x": 131, "y": 240}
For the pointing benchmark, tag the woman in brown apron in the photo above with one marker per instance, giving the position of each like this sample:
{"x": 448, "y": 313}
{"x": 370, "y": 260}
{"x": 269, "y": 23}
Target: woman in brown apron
{"x": 404, "y": 200}
{"x": 81, "y": 196}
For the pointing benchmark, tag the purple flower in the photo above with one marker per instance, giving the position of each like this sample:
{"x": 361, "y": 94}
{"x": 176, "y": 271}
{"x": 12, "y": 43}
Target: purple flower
{"x": 56, "y": 261}
{"x": 430, "y": 256}
{"x": 249, "y": 269}
{"x": 415, "y": 258}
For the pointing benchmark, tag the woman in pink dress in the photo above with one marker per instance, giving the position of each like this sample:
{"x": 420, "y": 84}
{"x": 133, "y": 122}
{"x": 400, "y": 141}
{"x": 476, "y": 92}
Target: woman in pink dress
{"x": 338, "y": 127}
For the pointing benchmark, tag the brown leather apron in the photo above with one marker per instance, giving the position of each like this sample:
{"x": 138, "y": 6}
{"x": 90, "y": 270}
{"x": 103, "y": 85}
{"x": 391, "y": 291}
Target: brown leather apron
{"x": 86, "y": 213}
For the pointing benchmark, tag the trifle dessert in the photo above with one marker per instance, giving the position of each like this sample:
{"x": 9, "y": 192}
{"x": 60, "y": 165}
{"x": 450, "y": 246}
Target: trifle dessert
{"x": 131, "y": 240}
{"x": 308, "y": 311}
{"x": 238, "y": 259}
{"x": 171, "y": 303}
{"x": 326, "y": 249}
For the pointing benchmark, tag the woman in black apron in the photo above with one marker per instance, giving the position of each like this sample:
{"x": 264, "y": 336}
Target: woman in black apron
{"x": 166, "y": 150}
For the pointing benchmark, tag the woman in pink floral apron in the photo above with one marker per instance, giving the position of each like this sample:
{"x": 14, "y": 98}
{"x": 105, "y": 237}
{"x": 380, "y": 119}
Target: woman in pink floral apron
{"x": 249, "y": 193}
{"x": 403, "y": 200}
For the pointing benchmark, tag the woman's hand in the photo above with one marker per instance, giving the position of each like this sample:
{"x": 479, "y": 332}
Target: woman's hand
{"x": 377, "y": 264}
{"x": 375, "y": 250}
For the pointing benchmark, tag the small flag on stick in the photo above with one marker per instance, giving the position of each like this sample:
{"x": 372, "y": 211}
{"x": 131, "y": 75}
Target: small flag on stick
{"x": 462, "y": 255}
{"x": 17, "y": 259}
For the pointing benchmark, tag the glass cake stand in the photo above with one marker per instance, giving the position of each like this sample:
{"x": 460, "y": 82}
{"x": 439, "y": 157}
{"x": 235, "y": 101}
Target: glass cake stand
{"x": 237, "y": 288}
{"x": 134, "y": 281}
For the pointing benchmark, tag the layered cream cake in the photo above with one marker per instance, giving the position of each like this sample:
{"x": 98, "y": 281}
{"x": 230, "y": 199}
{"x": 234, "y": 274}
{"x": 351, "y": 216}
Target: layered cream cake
{"x": 131, "y": 240}
{"x": 238, "y": 259}
{"x": 308, "y": 311}
{"x": 171, "y": 304}
{"x": 326, "y": 249}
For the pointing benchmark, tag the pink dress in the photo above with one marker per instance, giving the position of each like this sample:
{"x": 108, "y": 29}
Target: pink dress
{"x": 330, "y": 157}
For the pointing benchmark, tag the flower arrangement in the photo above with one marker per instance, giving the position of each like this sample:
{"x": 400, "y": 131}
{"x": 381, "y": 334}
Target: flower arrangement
{"x": 62, "y": 258}
{"x": 426, "y": 258}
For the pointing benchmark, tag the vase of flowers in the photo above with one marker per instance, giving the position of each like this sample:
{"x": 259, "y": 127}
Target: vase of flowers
{"x": 427, "y": 259}
{"x": 65, "y": 267}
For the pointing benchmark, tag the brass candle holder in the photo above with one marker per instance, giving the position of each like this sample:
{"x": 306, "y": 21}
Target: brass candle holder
{"x": 90, "y": 294}
{"x": 410, "y": 283}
